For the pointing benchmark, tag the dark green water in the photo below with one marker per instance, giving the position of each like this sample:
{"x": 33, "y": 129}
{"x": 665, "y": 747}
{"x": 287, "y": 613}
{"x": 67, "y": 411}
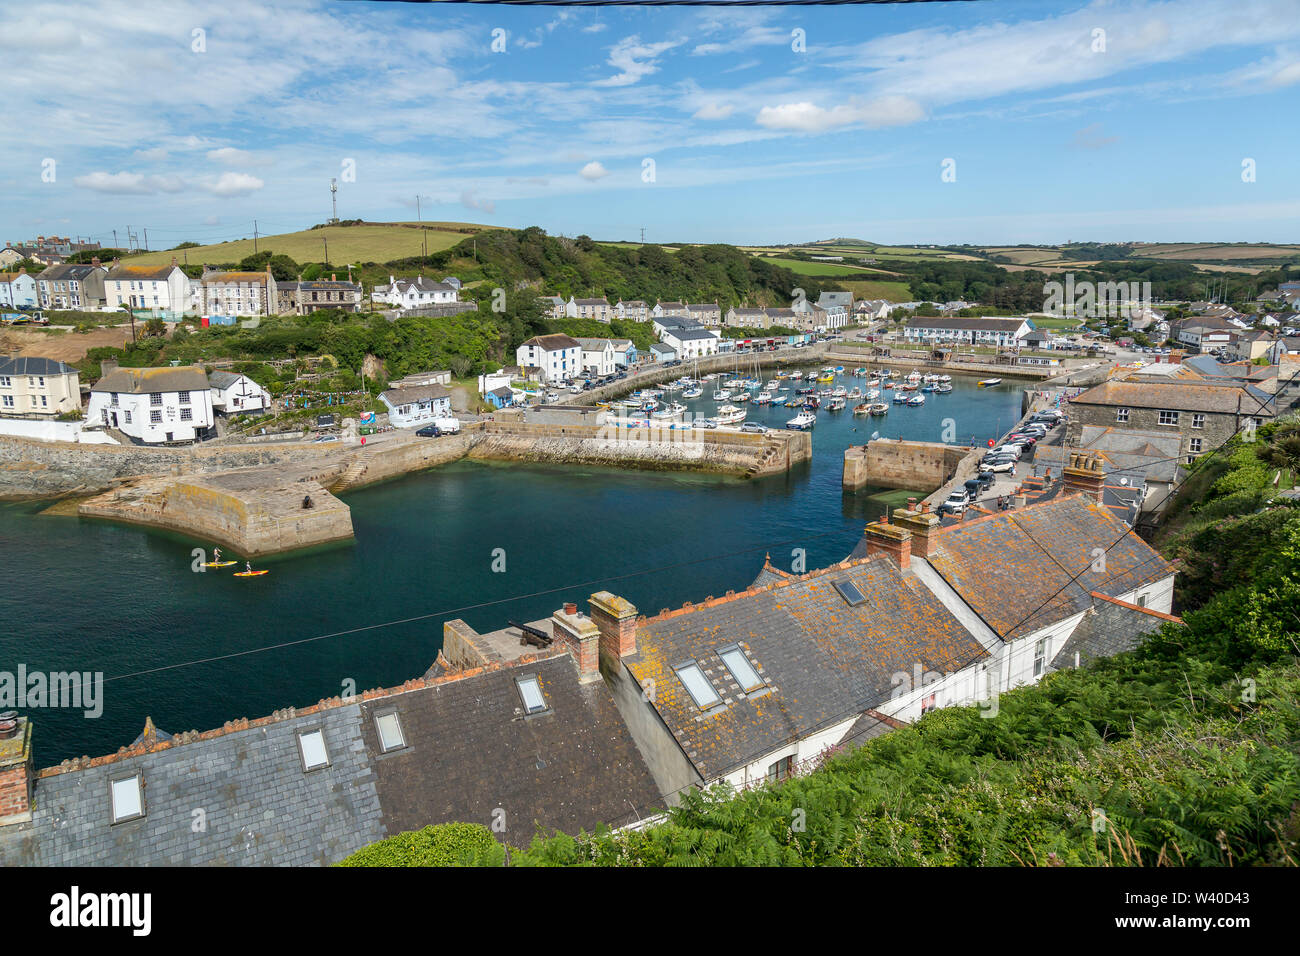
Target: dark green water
{"x": 93, "y": 596}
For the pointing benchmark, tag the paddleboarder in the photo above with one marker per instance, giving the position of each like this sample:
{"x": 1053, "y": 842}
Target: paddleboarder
{"x": 216, "y": 555}
{"x": 248, "y": 566}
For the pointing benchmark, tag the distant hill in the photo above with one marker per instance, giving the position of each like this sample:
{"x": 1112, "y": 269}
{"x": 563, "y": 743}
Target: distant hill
{"x": 364, "y": 242}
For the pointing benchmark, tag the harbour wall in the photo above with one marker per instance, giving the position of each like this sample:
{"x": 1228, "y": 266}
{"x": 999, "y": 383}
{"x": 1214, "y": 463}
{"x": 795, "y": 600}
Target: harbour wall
{"x": 891, "y": 463}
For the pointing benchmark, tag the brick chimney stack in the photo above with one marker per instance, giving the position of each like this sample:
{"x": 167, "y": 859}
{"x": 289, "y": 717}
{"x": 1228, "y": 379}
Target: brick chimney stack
{"x": 615, "y": 618}
{"x": 924, "y": 526}
{"x": 894, "y": 540}
{"x": 1084, "y": 474}
{"x": 15, "y": 769}
{"x": 580, "y": 636}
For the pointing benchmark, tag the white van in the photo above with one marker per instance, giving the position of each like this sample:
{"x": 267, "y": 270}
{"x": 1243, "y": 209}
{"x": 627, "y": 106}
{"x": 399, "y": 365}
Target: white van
{"x": 1013, "y": 450}
{"x": 448, "y": 426}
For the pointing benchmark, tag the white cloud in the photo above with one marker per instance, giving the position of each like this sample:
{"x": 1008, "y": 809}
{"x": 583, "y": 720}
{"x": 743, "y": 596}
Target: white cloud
{"x": 595, "y": 28}
{"x": 809, "y": 118}
{"x": 1092, "y": 137}
{"x": 229, "y": 156}
{"x": 593, "y": 171}
{"x": 713, "y": 111}
{"x": 468, "y": 200}
{"x": 635, "y": 60}
{"x": 129, "y": 183}
{"x": 234, "y": 184}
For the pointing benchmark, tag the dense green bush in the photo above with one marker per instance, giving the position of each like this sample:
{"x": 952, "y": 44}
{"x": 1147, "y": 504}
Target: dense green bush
{"x": 447, "y": 844}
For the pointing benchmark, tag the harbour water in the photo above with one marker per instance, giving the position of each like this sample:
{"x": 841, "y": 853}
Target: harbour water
{"x": 480, "y": 541}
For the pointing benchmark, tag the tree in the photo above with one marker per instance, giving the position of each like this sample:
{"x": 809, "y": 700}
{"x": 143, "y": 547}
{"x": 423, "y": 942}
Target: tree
{"x": 155, "y": 327}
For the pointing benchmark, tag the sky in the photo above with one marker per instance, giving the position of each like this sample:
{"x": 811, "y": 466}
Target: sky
{"x": 985, "y": 123}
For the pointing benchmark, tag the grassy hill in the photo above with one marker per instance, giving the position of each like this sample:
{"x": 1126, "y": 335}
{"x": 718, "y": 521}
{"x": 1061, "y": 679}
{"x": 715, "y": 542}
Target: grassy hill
{"x": 367, "y": 242}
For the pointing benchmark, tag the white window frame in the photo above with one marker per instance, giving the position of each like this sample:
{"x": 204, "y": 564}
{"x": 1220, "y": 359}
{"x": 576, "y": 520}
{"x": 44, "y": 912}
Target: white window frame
{"x": 303, "y": 747}
{"x": 385, "y": 745}
{"x": 735, "y": 659}
{"x": 693, "y": 669}
{"x": 1170, "y": 414}
{"x": 524, "y": 685}
{"x": 135, "y": 808}
{"x": 1121, "y": 414}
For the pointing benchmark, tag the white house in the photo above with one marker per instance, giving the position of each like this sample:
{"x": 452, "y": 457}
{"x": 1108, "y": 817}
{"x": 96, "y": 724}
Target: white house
{"x": 235, "y": 394}
{"x": 162, "y": 290}
{"x": 599, "y": 356}
{"x": 838, "y": 307}
{"x": 557, "y": 357}
{"x": 691, "y": 344}
{"x": 749, "y": 688}
{"x": 154, "y": 406}
{"x": 18, "y": 290}
{"x": 34, "y": 387}
{"x": 997, "y": 332}
{"x": 412, "y": 293}
{"x": 412, "y": 407}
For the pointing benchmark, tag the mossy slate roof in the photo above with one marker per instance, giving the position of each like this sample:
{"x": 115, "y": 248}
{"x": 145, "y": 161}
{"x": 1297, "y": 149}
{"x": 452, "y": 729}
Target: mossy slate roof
{"x": 823, "y": 661}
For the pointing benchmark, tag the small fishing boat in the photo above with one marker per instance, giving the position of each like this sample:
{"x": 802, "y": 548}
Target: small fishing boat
{"x": 928, "y": 387}
{"x": 907, "y": 387}
{"x": 693, "y": 392}
{"x": 649, "y": 405}
{"x": 812, "y": 403}
{"x": 839, "y": 391}
{"x": 792, "y": 403}
{"x": 900, "y": 398}
{"x": 989, "y": 382}
{"x": 871, "y": 394}
{"x": 879, "y": 408}
{"x": 773, "y": 385}
{"x": 796, "y": 375}
{"x": 802, "y": 422}
{"x": 917, "y": 399}
{"x": 945, "y": 378}
{"x": 763, "y": 398}
{"x": 836, "y": 405}
{"x": 826, "y": 379}
{"x": 805, "y": 391}
{"x": 943, "y": 388}
{"x": 722, "y": 395}
{"x": 839, "y": 370}
{"x": 854, "y": 393}
{"x": 862, "y": 409}
{"x": 729, "y": 415}
{"x": 859, "y": 372}
{"x": 741, "y": 397}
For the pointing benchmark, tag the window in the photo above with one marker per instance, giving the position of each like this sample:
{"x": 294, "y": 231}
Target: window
{"x": 8, "y": 401}
{"x": 781, "y": 770}
{"x": 390, "y": 732}
{"x": 155, "y": 417}
{"x": 1195, "y": 446}
{"x": 4, "y": 381}
{"x": 1168, "y": 418}
{"x": 1198, "y": 420}
{"x": 697, "y": 685}
{"x": 1040, "y": 657}
{"x": 126, "y": 798}
{"x": 1121, "y": 414}
{"x": 311, "y": 747}
{"x": 184, "y": 397}
{"x": 155, "y": 398}
{"x": 849, "y": 591}
{"x": 741, "y": 669}
{"x": 1142, "y": 600}
{"x": 186, "y": 414}
{"x": 128, "y": 416}
{"x": 531, "y": 693}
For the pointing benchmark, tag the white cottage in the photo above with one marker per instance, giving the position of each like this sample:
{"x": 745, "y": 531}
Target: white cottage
{"x": 557, "y": 357}
{"x": 413, "y": 407}
{"x": 154, "y": 406}
{"x": 235, "y": 394}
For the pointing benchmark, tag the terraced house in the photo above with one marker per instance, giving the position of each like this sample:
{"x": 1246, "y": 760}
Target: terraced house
{"x": 18, "y": 290}
{"x": 163, "y": 291}
{"x": 239, "y": 293}
{"x": 740, "y": 317}
{"x": 33, "y": 387}
{"x": 73, "y": 286}
{"x": 598, "y": 309}
{"x": 996, "y": 332}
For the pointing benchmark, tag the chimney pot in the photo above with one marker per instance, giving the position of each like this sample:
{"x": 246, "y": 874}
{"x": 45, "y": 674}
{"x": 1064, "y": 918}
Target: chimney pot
{"x": 570, "y": 608}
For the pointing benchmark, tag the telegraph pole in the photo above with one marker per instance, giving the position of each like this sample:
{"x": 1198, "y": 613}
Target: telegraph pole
{"x": 254, "y": 237}
{"x": 327, "y": 249}
{"x": 146, "y": 239}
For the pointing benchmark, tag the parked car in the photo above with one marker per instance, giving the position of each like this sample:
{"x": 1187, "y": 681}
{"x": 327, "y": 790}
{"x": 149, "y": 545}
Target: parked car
{"x": 1013, "y": 450}
{"x": 754, "y": 428}
{"x": 1021, "y": 439}
{"x": 429, "y": 431}
{"x": 954, "y": 504}
{"x": 999, "y": 466}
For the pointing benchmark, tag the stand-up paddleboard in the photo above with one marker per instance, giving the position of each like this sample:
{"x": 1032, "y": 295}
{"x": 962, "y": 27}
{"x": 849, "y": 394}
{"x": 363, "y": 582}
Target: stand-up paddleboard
{"x": 249, "y": 574}
{"x": 218, "y": 564}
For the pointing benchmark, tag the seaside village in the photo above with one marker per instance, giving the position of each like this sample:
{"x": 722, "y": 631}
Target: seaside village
{"x": 605, "y": 713}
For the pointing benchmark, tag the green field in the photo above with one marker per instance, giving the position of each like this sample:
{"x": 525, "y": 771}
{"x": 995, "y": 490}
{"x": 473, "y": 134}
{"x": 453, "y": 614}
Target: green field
{"x": 866, "y": 289}
{"x": 371, "y": 242}
{"x": 805, "y": 268}
{"x": 1056, "y": 323}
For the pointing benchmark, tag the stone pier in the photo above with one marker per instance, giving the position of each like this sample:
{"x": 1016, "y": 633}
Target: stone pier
{"x": 891, "y": 463}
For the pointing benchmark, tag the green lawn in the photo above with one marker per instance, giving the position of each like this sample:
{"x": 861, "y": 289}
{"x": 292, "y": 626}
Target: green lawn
{"x": 866, "y": 289}
{"x": 1056, "y": 323}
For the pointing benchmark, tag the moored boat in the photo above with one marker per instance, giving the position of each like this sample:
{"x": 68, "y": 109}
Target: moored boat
{"x": 879, "y": 408}
{"x": 803, "y": 421}
{"x": 729, "y": 415}
{"x": 862, "y": 409}
{"x": 943, "y": 388}
{"x": 989, "y": 382}
{"x": 917, "y": 399}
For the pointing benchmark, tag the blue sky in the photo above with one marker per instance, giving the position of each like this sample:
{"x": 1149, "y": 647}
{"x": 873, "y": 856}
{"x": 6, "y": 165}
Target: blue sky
{"x": 1063, "y": 121}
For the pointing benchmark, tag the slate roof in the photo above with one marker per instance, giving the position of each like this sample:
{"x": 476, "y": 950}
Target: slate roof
{"x": 1025, "y": 569}
{"x": 260, "y": 808}
{"x": 33, "y": 365}
{"x": 824, "y": 662}
{"x": 663, "y": 349}
{"x": 553, "y": 342}
{"x": 689, "y": 335}
{"x": 420, "y": 284}
{"x": 413, "y": 394}
{"x": 140, "y": 381}
{"x": 988, "y": 324}
{"x": 67, "y": 270}
{"x": 223, "y": 379}
{"x": 1182, "y": 396}
{"x": 142, "y": 272}
{"x": 1109, "y": 628}
{"x": 471, "y": 751}
{"x": 600, "y": 301}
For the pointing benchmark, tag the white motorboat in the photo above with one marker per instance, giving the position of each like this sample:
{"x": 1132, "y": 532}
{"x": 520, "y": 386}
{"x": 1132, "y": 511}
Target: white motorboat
{"x": 729, "y": 415}
{"x": 803, "y": 421}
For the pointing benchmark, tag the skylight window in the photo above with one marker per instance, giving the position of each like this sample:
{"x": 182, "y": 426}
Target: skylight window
{"x": 127, "y": 797}
{"x": 311, "y": 746}
{"x": 849, "y": 591}
{"x": 390, "y": 732}
{"x": 531, "y": 692}
{"x": 699, "y": 687}
{"x": 741, "y": 669}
